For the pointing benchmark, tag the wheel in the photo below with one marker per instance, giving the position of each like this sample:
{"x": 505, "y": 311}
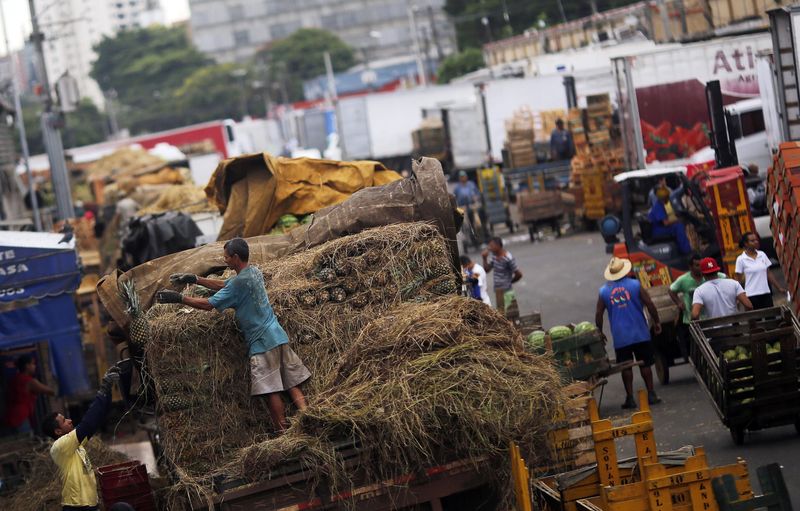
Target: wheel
{"x": 797, "y": 425}
{"x": 737, "y": 434}
{"x": 662, "y": 369}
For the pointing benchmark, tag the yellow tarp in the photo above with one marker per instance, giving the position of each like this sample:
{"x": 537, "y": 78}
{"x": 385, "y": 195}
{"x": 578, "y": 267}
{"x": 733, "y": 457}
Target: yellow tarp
{"x": 254, "y": 191}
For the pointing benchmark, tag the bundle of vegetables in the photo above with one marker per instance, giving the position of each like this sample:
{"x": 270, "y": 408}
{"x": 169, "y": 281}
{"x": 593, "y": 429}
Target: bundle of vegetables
{"x": 375, "y": 318}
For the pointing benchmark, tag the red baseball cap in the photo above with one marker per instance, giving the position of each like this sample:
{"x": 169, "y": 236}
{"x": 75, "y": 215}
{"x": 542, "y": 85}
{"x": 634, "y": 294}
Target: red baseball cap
{"x": 708, "y": 265}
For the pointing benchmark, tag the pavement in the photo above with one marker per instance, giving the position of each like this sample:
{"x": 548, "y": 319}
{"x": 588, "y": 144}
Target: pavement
{"x": 561, "y": 278}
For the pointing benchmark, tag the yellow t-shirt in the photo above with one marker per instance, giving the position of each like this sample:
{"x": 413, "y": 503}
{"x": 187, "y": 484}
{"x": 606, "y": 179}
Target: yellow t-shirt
{"x": 77, "y": 476}
{"x": 670, "y": 212}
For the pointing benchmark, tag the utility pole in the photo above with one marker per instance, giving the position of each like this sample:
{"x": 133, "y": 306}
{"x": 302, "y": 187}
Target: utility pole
{"x": 23, "y": 139}
{"x": 51, "y": 121}
{"x": 435, "y": 34}
{"x": 412, "y": 25}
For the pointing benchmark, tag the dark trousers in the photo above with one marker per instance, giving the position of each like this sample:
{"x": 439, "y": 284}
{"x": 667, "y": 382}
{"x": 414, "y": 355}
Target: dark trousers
{"x": 761, "y": 301}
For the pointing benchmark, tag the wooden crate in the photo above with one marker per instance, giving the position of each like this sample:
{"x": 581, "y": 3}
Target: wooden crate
{"x": 758, "y": 392}
{"x": 581, "y": 356}
{"x": 540, "y": 205}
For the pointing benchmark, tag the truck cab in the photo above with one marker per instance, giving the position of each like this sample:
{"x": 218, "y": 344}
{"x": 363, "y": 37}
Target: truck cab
{"x": 745, "y": 120}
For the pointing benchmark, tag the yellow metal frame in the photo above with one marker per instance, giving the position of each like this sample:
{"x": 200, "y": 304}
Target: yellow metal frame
{"x": 521, "y": 478}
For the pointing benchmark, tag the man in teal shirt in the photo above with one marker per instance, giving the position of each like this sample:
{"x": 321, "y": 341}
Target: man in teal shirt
{"x": 274, "y": 367}
{"x": 681, "y": 291}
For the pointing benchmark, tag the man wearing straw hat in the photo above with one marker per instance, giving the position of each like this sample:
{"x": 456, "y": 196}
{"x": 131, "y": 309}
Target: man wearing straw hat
{"x": 274, "y": 367}
{"x": 624, "y": 299}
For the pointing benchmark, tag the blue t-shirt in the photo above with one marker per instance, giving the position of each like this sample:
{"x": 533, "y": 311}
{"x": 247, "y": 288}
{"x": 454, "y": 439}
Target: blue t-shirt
{"x": 466, "y": 193}
{"x": 625, "y": 312}
{"x": 246, "y": 294}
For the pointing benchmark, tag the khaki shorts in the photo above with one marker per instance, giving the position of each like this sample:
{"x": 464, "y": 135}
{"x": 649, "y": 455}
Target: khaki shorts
{"x": 277, "y": 370}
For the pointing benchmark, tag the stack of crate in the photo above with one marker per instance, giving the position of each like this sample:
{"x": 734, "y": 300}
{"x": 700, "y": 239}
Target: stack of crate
{"x": 783, "y": 192}
{"x": 576, "y": 127}
{"x": 520, "y": 138}
{"x": 544, "y": 122}
{"x": 598, "y": 119}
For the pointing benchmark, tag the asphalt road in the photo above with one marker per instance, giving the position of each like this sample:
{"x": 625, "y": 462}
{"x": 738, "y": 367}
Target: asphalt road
{"x": 561, "y": 280}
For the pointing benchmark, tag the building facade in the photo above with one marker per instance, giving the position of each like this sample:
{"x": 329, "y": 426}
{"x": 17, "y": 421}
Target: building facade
{"x": 234, "y": 30}
{"x": 681, "y": 20}
{"x": 72, "y": 27}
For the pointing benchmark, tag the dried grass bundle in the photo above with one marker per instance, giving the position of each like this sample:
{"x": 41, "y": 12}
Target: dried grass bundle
{"x": 396, "y": 365}
{"x": 42, "y": 488}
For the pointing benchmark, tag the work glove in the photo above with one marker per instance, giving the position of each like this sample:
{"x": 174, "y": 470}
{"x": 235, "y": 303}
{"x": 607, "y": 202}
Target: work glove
{"x": 183, "y": 278}
{"x": 111, "y": 377}
{"x": 167, "y": 296}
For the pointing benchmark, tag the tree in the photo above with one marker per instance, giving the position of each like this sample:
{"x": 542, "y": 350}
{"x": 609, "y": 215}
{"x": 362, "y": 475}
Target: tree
{"x": 460, "y": 64}
{"x": 86, "y": 125}
{"x": 145, "y": 67}
{"x": 218, "y": 92}
{"x": 300, "y": 57}
{"x": 468, "y": 16}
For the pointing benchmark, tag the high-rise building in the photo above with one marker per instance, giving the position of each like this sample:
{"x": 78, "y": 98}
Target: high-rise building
{"x": 233, "y": 30}
{"x": 72, "y": 27}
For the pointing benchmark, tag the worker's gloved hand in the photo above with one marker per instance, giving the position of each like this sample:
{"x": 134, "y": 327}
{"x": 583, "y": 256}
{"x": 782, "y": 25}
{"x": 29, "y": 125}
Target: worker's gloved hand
{"x": 167, "y": 296}
{"x": 183, "y": 278}
{"x": 111, "y": 377}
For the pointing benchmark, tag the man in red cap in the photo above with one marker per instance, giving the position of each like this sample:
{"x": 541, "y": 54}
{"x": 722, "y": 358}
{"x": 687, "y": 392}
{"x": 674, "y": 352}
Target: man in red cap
{"x": 717, "y": 296}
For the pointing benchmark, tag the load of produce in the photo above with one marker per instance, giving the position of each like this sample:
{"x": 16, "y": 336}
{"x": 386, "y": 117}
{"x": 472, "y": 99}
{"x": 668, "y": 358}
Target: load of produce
{"x": 399, "y": 362}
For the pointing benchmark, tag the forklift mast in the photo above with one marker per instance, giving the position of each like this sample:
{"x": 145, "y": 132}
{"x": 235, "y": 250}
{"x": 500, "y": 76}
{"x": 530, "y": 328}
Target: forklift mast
{"x": 720, "y": 127}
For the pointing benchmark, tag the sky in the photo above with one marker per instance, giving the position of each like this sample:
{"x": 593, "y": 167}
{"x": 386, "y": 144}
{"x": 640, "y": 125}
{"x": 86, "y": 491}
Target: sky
{"x": 18, "y": 18}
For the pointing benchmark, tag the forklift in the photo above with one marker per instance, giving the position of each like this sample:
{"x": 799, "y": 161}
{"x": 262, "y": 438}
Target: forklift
{"x": 710, "y": 199}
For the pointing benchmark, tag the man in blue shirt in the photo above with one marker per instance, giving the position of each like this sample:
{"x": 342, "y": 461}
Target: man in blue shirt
{"x": 623, "y": 297}
{"x": 562, "y": 146}
{"x": 468, "y": 198}
{"x": 274, "y": 367}
{"x": 665, "y": 222}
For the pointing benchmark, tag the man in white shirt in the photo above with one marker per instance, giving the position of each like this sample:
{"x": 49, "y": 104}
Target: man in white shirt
{"x": 717, "y": 297}
{"x": 475, "y": 276}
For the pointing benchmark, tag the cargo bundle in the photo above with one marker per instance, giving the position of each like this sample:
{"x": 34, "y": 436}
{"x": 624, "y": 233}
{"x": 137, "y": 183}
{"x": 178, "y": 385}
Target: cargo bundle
{"x": 403, "y": 370}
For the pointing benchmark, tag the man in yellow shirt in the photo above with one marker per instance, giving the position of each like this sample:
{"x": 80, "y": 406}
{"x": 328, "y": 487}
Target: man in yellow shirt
{"x": 79, "y": 490}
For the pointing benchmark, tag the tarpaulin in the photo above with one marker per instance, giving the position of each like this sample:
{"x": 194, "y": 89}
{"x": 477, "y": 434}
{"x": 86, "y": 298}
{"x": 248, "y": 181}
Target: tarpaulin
{"x": 38, "y": 274}
{"x": 254, "y": 191}
{"x": 421, "y": 197}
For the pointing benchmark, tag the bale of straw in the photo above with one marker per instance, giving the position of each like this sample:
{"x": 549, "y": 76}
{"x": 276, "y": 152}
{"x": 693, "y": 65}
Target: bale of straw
{"x": 400, "y": 361}
{"x": 424, "y": 384}
{"x": 42, "y": 488}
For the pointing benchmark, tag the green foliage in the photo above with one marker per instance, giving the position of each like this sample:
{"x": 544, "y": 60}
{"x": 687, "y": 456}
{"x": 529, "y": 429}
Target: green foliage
{"x": 460, "y": 64}
{"x": 300, "y": 57}
{"x": 217, "y": 92}
{"x": 522, "y": 15}
{"x": 146, "y": 67}
{"x": 86, "y": 125}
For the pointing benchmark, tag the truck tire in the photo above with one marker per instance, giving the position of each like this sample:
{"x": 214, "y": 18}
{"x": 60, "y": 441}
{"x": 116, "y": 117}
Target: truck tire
{"x": 737, "y": 434}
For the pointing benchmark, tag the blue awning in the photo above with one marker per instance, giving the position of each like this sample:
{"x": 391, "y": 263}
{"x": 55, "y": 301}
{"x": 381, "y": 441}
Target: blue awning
{"x": 38, "y": 274}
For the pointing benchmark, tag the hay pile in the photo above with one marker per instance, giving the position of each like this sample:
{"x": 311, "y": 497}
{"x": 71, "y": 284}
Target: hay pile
{"x": 42, "y": 489}
{"x": 398, "y": 362}
{"x": 186, "y": 198}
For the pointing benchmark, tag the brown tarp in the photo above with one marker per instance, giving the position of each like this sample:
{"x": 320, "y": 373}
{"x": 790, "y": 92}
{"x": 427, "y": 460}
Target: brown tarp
{"x": 421, "y": 197}
{"x": 255, "y": 190}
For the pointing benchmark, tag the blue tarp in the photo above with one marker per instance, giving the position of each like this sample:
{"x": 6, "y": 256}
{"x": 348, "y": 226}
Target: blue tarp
{"x": 37, "y": 278}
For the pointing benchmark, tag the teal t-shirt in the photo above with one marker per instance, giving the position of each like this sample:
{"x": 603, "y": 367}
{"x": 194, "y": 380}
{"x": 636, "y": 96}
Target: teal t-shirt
{"x": 245, "y": 293}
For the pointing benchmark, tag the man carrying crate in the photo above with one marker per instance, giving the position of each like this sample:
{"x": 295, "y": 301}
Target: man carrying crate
{"x": 624, "y": 299}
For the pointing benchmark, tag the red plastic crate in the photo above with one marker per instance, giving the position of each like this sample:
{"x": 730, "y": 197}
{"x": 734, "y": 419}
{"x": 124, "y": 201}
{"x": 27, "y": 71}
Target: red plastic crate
{"x": 126, "y": 482}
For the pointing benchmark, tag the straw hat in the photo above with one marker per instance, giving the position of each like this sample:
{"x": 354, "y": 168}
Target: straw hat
{"x": 617, "y": 268}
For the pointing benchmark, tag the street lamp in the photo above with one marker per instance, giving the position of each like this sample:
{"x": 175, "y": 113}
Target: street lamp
{"x": 240, "y": 73}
